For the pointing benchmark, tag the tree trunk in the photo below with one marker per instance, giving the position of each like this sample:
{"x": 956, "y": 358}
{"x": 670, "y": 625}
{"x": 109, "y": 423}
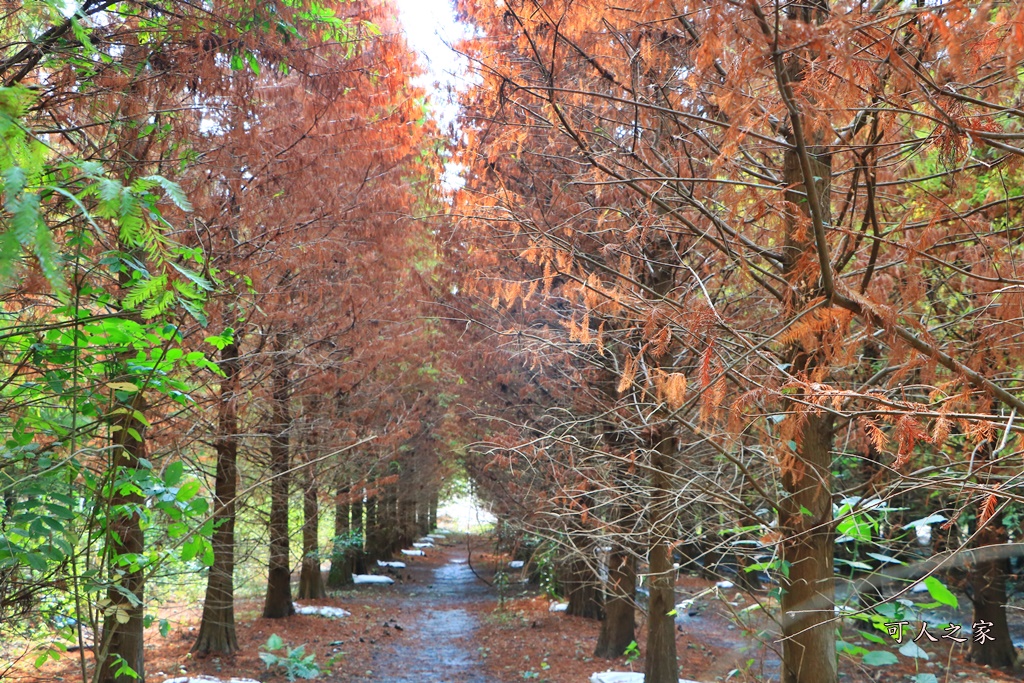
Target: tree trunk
{"x": 381, "y": 537}
{"x": 808, "y": 592}
{"x": 121, "y": 644}
{"x": 357, "y": 516}
{"x": 432, "y": 513}
{"x": 278, "y": 602}
{"x": 618, "y": 629}
{"x": 311, "y": 579}
{"x": 358, "y": 510}
{"x": 406, "y": 521}
{"x": 991, "y": 643}
{"x": 988, "y": 588}
{"x": 661, "y": 664}
{"x": 341, "y": 551}
{"x": 372, "y": 544}
{"x": 582, "y": 590}
{"x": 217, "y": 628}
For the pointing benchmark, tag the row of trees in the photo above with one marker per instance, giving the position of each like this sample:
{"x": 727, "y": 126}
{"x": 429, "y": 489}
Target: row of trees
{"x": 761, "y": 258}
{"x": 213, "y": 282}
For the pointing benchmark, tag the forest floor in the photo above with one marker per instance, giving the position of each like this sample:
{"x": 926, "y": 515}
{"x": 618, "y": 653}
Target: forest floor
{"x": 441, "y": 622}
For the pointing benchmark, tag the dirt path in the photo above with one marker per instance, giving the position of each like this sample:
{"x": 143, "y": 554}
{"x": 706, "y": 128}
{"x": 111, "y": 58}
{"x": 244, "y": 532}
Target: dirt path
{"x": 436, "y": 642}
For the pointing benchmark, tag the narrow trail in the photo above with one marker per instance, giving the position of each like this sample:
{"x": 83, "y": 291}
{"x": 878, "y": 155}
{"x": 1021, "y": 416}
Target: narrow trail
{"x": 437, "y": 644}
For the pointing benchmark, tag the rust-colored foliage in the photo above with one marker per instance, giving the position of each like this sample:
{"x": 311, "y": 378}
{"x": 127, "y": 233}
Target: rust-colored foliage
{"x": 813, "y": 206}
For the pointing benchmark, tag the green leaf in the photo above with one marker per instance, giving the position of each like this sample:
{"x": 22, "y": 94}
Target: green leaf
{"x": 220, "y": 341}
{"x": 173, "y": 190}
{"x": 15, "y": 179}
{"x": 857, "y": 527}
{"x": 880, "y": 658}
{"x": 36, "y": 560}
{"x": 25, "y": 218}
{"x": 849, "y": 648}
{"x": 254, "y": 64}
{"x": 940, "y": 593}
{"x": 191, "y": 548}
{"x": 173, "y": 472}
{"x": 188, "y": 490}
{"x": 931, "y": 519}
{"x": 194, "y": 277}
{"x": 911, "y": 649}
{"x": 855, "y": 564}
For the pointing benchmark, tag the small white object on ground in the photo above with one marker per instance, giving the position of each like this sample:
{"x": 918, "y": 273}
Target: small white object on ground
{"x": 371, "y": 578}
{"x": 558, "y": 607}
{"x": 725, "y": 584}
{"x": 625, "y": 677}
{"x": 414, "y": 553}
{"x": 516, "y": 564}
{"x": 322, "y": 611}
{"x": 919, "y": 588}
{"x": 208, "y": 679}
{"x": 394, "y": 564}
{"x": 422, "y": 545}
{"x": 436, "y": 537}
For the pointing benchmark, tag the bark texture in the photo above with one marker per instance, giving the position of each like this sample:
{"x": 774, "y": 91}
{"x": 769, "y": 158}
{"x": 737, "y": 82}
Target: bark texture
{"x": 661, "y": 664}
{"x": 341, "y": 553}
{"x": 618, "y": 629}
{"x": 278, "y": 601}
{"x": 311, "y": 578}
{"x": 121, "y": 643}
{"x": 582, "y": 590}
{"x": 217, "y": 628}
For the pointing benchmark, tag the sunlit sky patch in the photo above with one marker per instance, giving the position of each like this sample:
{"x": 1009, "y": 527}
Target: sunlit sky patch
{"x": 431, "y": 29}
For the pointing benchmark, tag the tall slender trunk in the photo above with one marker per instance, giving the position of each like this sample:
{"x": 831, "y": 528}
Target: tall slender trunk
{"x": 988, "y": 596}
{"x": 382, "y": 536}
{"x": 278, "y": 601}
{"x": 363, "y": 529}
{"x": 122, "y": 641}
{"x": 808, "y": 589}
{"x": 341, "y": 551}
{"x": 217, "y": 628}
{"x": 372, "y": 534}
{"x": 661, "y": 664}
{"x": 618, "y": 629}
{"x": 581, "y": 585}
{"x": 432, "y": 512}
{"x": 808, "y": 586}
{"x": 406, "y": 520}
{"x": 311, "y": 579}
{"x": 357, "y": 515}
{"x": 987, "y": 579}
{"x": 120, "y": 655}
